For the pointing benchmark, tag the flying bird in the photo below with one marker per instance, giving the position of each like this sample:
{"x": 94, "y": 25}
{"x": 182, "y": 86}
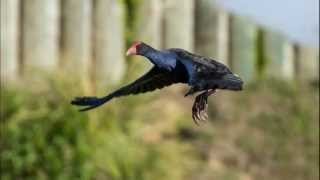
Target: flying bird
{"x": 202, "y": 74}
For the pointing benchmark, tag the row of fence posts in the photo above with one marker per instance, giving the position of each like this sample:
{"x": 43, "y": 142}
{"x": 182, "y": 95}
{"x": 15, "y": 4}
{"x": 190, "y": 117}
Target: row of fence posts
{"x": 87, "y": 38}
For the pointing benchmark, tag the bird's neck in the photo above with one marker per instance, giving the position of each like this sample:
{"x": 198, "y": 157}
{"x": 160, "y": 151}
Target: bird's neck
{"x": 152, "y": 54}
{"x": 161, "y": 59}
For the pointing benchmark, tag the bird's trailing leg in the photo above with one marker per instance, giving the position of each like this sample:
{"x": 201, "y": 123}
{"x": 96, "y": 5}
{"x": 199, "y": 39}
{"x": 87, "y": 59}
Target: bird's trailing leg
{"x": 191, "y": 91}
{"x": 199, "y": 109}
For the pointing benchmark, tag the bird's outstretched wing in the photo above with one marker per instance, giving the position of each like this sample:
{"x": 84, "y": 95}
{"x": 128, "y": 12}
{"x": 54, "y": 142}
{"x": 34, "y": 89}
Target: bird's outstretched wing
{"x": 156, "y": 78}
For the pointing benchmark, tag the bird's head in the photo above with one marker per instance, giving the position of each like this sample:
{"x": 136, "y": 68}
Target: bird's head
{"x": 137, "y": 48}
{"x": 160, "y": 59}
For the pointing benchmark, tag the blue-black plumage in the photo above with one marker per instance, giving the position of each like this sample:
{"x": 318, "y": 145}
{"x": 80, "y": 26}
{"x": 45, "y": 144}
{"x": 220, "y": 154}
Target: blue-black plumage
{"x": 173, "y": 66}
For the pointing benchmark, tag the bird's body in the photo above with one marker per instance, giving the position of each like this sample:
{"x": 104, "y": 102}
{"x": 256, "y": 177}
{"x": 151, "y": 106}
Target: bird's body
{"x": 173, "y": 66}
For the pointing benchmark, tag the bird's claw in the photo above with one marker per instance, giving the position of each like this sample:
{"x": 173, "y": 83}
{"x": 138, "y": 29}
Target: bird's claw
{"x": 199, "y": 109}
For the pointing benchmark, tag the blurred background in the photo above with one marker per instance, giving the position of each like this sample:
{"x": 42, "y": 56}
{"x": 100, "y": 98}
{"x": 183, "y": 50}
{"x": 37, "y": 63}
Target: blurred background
{"x": 53, "y": 50}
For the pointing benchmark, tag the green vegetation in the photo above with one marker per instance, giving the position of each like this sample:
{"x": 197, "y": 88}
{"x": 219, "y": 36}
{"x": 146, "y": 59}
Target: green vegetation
{"x": 268, "y": 131}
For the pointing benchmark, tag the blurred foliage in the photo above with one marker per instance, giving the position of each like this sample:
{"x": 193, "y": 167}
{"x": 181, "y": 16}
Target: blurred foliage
{"x": 268, "y": 131}
{"x": 44, "y": 137}
{"x": 273, "y": 131}
{"x": 40, "y": 139}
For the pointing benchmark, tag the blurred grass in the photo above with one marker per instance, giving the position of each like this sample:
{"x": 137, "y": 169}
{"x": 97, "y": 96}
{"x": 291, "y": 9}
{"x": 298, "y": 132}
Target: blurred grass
{"x": 268, "y": 131}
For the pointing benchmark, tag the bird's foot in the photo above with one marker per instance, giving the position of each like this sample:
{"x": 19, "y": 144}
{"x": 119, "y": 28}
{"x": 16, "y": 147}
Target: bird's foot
{"x": 190, "y": 92}
{"x": 200, "y": 106}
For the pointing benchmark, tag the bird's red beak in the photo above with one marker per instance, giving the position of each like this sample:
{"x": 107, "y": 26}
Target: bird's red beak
{"x": 133, "y": 49}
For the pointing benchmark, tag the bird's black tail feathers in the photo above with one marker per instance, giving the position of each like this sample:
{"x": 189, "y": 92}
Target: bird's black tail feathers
{"x": 231, "y": 82}
{"x": 90, "y": 102}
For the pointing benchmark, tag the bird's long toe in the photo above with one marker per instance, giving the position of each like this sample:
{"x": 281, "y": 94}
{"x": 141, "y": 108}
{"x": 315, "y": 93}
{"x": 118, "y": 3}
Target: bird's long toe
{"x": 203, "y": 115}
{"x": 196, "y": 111}
{"x": 195, "y": 114}
{"x": 203, "y": 108}
{"x": 199, "y": 108}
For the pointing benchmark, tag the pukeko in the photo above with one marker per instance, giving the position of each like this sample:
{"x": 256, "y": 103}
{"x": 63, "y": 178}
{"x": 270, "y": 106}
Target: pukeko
{"x": 203, "y": 75}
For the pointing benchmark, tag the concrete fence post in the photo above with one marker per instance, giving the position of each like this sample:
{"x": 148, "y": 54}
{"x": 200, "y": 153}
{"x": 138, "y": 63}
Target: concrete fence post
{"x": 9, "y": 51}
{"x": 109, "y": 41}
{"x": 179, "y": 24}
{"x": 243, "y": 47}
{"x": 307, "y": 63}
{"x": 40, "y": 26}
{"x": 148, "y": 28}
{"x": 149, "y": 22}
{"x": 76, "y": 36}
{"x": 211, "y": 30}
{"x": 288, "y": 69}
{"x": 278, "y": 56}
